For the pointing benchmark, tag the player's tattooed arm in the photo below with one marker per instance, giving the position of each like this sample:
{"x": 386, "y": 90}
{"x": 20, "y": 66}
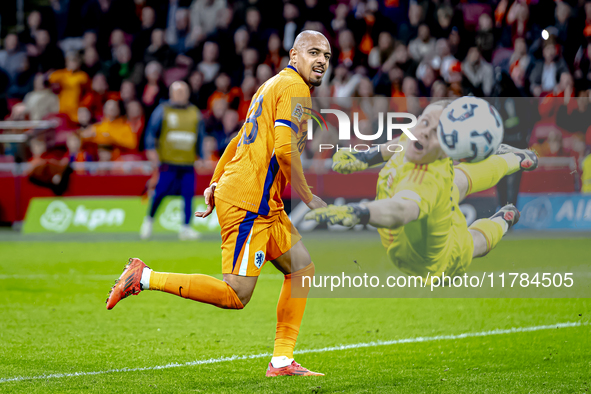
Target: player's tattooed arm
{"x": 288, "y": 158}
{"x": 226, "y": 157}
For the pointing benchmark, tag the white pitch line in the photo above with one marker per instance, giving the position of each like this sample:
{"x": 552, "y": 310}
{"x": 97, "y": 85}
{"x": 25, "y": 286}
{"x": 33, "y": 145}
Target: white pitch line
{"x": 306, "y": 351}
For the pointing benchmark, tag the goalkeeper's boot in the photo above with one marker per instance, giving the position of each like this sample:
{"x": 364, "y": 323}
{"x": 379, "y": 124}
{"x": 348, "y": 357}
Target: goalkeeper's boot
{"x": 528, "y": 159}
{"x": 294, "y": 369}
{"x": 509, "y": 214}
{"x": 128, "y": 283}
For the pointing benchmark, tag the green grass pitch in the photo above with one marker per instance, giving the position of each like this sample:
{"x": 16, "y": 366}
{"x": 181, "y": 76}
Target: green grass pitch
{"x": 54, "y": 321}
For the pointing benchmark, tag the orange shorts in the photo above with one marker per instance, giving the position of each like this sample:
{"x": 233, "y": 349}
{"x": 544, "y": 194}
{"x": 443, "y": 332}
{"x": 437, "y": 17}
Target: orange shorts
{"x": 249, "y": 239}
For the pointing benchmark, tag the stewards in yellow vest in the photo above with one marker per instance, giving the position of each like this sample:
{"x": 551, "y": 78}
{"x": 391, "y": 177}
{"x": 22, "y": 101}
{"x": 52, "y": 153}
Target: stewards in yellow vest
{"x": 173, "y": 141}
{"x": 586, "y": 177}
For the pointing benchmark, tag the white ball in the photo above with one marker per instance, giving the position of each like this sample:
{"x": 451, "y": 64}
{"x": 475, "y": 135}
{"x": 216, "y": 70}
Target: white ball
{"x": 470, "y": 129}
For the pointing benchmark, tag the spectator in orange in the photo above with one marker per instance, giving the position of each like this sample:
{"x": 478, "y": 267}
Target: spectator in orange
{"x": 136, "y": 119}
{"x": 552, "y": 147}
{"x": 275, "y": 52}
{"x": 206, "y": 165}
{"x": 563, "y": 94}
{"x": 363, "y": 105}
{"x": 519, "y": 62}
{"x": 153, "y": 89}
{"x": 348, "y": 54}
{"x": 518, "y": 18}
{"x": 396, "y": 75}
{"x": 223, "y": 91}
{"x": 111, "y": 134}
{"x": 72, "y": 83}
{"x": 95, "y": 100}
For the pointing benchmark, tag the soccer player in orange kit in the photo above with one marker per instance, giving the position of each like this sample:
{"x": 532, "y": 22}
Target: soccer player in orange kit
{"x": 247, "y": 185}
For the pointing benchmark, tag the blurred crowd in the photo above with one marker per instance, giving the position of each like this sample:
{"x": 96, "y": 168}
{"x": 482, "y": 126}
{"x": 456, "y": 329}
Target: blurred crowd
{"x": 100, "y": 67}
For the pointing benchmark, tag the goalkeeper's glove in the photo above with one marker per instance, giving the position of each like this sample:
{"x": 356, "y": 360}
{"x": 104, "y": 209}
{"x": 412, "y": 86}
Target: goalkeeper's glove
{"x": 347, "y": 161}
{"x": 348, "y": 215}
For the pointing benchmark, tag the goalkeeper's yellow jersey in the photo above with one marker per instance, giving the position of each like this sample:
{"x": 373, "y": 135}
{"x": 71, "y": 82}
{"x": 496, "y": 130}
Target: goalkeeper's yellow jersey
{"x": 387, "y": 180}
{"x": 438, "y": 240}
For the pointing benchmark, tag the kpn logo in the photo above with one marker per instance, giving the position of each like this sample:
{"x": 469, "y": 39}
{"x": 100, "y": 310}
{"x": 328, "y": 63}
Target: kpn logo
{"x": 59, "y": 217}
{"x": 387, "y": 122}
{"x": 173, "y": 216}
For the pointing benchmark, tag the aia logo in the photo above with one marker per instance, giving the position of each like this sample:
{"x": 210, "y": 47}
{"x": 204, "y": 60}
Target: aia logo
{"x": 468, "y": 114}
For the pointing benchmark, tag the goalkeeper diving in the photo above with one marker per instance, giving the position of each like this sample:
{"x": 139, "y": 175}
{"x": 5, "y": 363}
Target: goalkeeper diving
{"x": 418, "y": 191}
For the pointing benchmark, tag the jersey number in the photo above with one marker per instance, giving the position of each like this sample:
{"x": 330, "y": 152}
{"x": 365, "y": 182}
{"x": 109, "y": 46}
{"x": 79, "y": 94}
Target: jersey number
{"x": 249, "y": 138}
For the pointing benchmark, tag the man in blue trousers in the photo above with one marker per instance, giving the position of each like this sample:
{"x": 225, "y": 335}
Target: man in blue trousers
{"x": 173, "y": 140}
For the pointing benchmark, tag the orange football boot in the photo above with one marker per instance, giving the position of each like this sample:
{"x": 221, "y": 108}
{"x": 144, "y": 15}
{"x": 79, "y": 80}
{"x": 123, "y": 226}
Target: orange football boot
{"x": 128, "y": 283}
{"x": 291, "y": 370}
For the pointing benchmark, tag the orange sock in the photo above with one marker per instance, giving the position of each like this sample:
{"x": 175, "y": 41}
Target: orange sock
{"x": 202, "y": 288}
{"x": 291, "y": 310}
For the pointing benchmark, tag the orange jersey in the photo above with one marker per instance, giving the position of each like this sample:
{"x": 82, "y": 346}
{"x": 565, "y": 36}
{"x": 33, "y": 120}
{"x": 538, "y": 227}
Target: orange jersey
{"x": 252, "y": 179}
{"x": 72, "y": 86}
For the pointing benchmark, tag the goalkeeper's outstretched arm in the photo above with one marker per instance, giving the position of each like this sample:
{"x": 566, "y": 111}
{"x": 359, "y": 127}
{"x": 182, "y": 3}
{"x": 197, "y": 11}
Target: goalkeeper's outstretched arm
{"x": 390, "y": 213}
{"x": 348, "y": 161}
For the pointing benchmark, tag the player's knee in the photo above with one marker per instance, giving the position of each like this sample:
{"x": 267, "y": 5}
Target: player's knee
{"x": 241, "y": 288}
{"x": 245, "y": 299}
{"x": 300, "y": 258}
{"x": 243, "y": 295}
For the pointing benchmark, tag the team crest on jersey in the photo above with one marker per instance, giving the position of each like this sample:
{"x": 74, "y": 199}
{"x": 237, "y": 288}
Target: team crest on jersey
{"x": 468, "y": 114}
{"x": 172, "y": 120}
{"x": 259, "y": 259}
{"x": 298, "y": 112}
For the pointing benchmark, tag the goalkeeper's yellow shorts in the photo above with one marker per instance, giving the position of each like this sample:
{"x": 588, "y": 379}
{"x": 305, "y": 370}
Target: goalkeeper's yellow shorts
{"x": 454, "y": 259}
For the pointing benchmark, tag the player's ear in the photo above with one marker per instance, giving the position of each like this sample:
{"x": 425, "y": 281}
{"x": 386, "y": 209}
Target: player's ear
{"x": 292, "y": 56}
